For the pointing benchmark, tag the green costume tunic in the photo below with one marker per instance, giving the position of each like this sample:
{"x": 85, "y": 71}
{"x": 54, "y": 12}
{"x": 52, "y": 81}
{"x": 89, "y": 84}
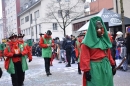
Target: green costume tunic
{"x": 47, "y": 52}
{"x": 11, "y": 68}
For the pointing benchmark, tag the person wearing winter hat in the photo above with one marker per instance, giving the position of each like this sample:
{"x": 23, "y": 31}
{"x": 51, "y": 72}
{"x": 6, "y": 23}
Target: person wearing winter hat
{"x": 15, "y": 64}
{"x": 46, "y": 43}
{"x": 78, "y": 49}
{"x": 95, "y": 57}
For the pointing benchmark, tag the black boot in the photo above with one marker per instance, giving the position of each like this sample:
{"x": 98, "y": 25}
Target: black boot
{"x": 68, "y": 65}
{"x": 79, "y": 71}
{"x": 47, "y": 74}
{"x": 50, "y": 73}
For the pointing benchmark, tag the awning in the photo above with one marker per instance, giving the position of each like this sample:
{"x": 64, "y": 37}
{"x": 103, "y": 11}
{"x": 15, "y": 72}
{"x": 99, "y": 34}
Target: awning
{"x": 109, "y": 16}
{"x": 113, "y": 19}
{"x": 84, "y": 27}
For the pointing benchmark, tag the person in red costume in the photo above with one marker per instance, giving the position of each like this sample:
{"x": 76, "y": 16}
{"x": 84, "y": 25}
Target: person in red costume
{"x": 20, "y": 41}
{"x": 24, "y": 45}
{"x": 15, "y": 63}
{"x": 95, "y": 58}
{"x": 46, "y": 43}
{"x": 77, "y": 46}
{"x": 53, "y": 55}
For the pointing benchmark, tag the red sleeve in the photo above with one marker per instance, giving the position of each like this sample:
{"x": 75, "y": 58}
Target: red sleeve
{"x": 41, "y": 43}
{"x": 29, "y": 52}
{"x": 7, "y": 53}
{"x": 25, "y": 51}
{"x": 84, "y": 58}
{"x": 110, "y": 57}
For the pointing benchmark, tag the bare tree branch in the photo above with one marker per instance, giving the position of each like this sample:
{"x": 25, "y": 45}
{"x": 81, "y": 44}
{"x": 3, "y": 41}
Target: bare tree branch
{"x": 68, "y": 11}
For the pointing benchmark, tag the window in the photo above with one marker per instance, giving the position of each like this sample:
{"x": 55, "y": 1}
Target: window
{"x": 31, "y": 18}
{"x": 24, "y": 32}
{"x": 32, "y": 32}
{"x": 54, "y": 26}
{"x": 67, "y": 13}
{"x": 58, "y": 0}
{"x": 26, "y": 18}
{"x": 36, "y": 13}
{"x": 67, "y": 0}
{"x": 59, "y": 13}
{"x": 84, "y": 1}
{"x": 29, "y": 31}
{"x": 78, "y": 25}
{"x": 22, "y": 21}
{"x": 93, "y": 0}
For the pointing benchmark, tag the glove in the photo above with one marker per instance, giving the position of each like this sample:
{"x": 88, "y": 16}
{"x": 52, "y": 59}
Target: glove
{"x": 1, "y": 72}
{"x": 15, "y": 55}
{"x": 113, "y": 69}
{"x": 20, "y": 55}
{"x": 29, "y": 60}
{"x": 88, "y": 76}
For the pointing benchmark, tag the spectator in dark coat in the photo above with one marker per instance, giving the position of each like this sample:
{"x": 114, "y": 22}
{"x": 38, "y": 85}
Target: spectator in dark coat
{"x": 128, "y": 47}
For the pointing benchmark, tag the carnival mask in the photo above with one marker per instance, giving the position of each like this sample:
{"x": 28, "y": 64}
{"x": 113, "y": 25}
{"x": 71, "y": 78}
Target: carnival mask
{"x": 99, "y": 28}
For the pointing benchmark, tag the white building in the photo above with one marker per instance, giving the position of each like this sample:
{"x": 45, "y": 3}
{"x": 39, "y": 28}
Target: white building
{"x": 33, "y": 19}
{"x": 10, "y": 10}
{"x": 1, "y": 30}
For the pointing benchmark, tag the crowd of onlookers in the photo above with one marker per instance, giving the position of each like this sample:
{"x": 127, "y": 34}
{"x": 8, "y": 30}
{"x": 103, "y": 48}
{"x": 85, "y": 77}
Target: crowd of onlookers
{"x": 121, "y": 49}
{"x": 59, "y": 49}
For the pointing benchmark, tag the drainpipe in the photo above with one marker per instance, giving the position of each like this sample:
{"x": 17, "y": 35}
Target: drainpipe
{"x": 116, "y": 6}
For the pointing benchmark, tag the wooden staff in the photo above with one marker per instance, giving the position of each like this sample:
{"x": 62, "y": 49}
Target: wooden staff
{"x": 120, "y": 64}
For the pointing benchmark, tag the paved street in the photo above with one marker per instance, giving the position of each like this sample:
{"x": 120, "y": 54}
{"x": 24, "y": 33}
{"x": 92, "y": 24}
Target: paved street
{"x": 61, "y": 76}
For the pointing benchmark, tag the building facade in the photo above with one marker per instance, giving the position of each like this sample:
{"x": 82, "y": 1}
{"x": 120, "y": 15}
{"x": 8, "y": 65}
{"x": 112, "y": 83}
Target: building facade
{"x": 33, "y": 19}
{"x": 11, "y": 23}
{"x": 96, "y": 6}
{"x": 1, "y": 30}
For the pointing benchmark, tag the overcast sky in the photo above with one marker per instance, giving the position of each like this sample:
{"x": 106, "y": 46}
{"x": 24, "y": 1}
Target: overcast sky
{"x": 0, "y": 9}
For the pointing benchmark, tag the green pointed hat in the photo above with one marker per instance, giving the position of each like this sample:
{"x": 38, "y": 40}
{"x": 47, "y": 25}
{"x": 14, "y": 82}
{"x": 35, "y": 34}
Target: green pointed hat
{"x": 92, "y": 40}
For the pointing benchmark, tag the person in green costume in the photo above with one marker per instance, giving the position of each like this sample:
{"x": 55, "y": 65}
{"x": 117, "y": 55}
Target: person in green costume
{"x": 95, "y": 58}
{"x": 15, "y": 63}
{"x": 46, "y": 43}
